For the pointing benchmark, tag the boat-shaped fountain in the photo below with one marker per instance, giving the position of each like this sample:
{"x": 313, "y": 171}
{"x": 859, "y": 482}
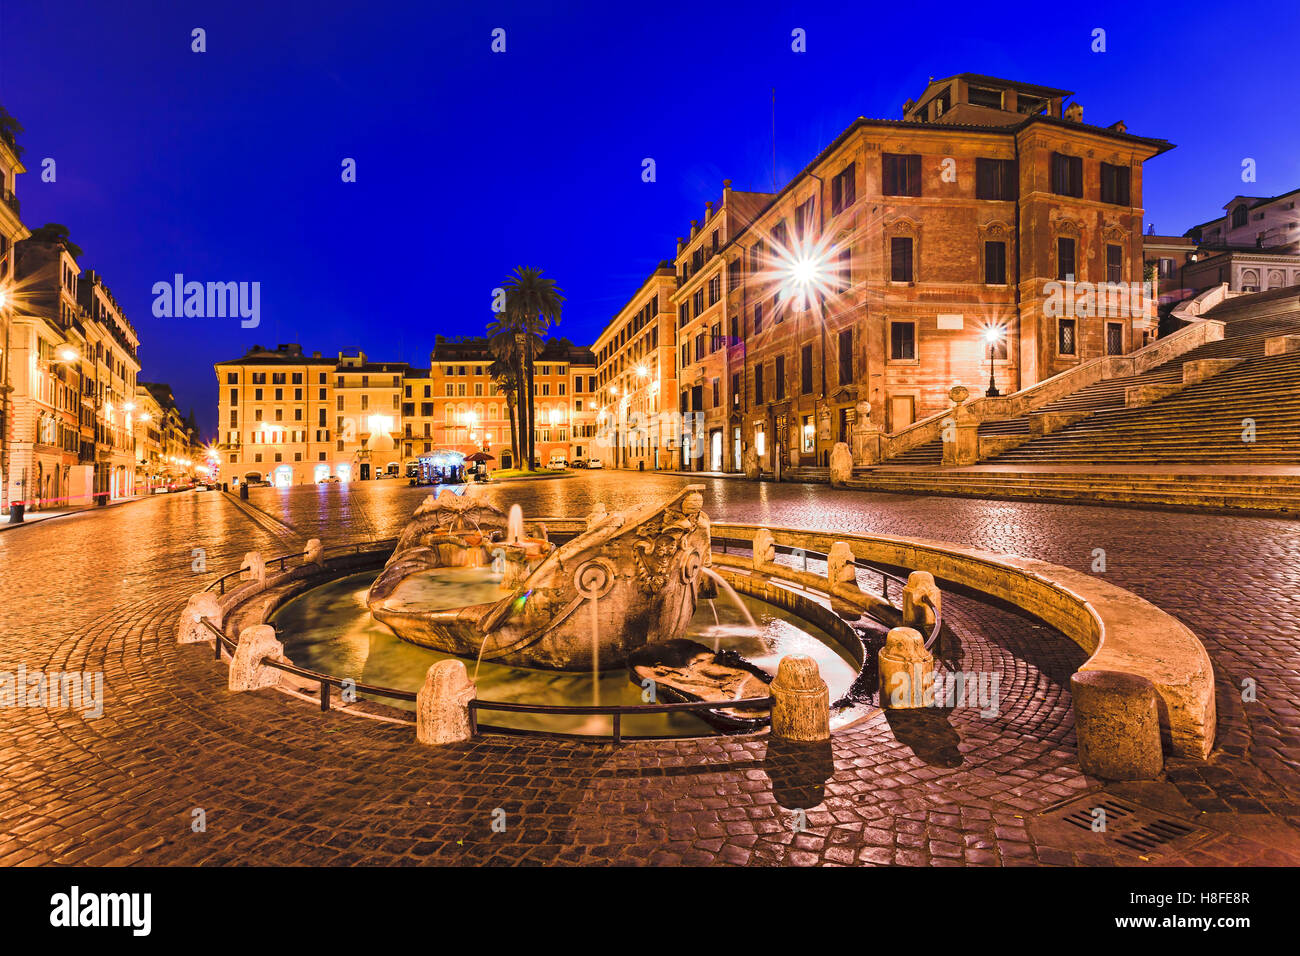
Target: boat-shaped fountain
{"x": 630, "y": 578}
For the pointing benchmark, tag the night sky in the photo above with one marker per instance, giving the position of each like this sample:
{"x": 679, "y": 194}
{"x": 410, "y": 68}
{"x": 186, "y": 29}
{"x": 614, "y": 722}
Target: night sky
{"x": 226, "y": 165}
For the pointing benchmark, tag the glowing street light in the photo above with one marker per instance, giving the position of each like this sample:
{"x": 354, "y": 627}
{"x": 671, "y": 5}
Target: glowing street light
{"x": 993, "y": 335}
{"x": 67, "y": 354}
{"x": 642, "y": 371}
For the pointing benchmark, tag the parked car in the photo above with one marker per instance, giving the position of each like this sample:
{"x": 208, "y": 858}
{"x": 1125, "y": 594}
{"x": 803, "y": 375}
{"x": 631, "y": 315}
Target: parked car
{"x": 595, "y": 463}
{"x": 578, "y": 463}
{"x": 557, "y": 462}
{"x": 328, "y": 480}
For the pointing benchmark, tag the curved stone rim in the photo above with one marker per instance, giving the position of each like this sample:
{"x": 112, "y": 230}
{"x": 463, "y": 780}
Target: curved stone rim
{"x": 1119, "y": 630}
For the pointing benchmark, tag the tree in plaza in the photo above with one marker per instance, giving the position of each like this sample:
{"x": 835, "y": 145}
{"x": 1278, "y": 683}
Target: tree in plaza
{"x": 533, "y": 305}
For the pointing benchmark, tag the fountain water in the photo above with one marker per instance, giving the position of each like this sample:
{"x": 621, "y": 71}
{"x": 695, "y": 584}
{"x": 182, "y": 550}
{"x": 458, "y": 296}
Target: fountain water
{"x": 731, "y": 593}
{"x": 515, "y": 525}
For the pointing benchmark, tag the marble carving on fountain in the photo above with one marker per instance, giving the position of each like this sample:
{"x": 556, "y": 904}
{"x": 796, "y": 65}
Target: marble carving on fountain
{"x": 630, "y": 578}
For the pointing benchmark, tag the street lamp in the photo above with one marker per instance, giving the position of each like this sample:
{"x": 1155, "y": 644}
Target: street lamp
{"x": 992, "y": 335}
{"x": 809, "y": 270}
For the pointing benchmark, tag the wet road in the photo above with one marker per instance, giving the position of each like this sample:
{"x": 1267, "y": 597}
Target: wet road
{"x": 279, "y": 782}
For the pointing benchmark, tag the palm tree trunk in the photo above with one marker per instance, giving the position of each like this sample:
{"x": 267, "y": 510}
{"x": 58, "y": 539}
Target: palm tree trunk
{"x": 532, "y": 427}
{"x": 525, "y": 404}
{"x": 514, "y": 432}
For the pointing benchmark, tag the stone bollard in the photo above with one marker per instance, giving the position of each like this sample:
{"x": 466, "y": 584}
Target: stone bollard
{"x": 246, "y": 669}
{"x": 253, "y": 568}
{"x": 442, "y": 704}
{"x": 920, "y": 584}
{"x": 906, "y": 670}
{"x": 315, "y": 553}
{"x": 201, "y": 606}
{"x": 841, "y": 572}
{"x": 801, "y": 701}
{"x": 1117, "y": 722}
{"x": 841, "y": 464}
{"x": 764, "y": 549}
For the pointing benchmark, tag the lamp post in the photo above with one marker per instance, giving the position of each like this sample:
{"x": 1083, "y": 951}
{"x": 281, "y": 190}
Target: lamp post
{"x": 992, "y": 335}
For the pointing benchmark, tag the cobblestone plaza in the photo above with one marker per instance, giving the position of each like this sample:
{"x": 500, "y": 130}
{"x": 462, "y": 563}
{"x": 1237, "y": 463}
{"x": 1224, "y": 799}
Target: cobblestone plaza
{"x": 278, "y": 781}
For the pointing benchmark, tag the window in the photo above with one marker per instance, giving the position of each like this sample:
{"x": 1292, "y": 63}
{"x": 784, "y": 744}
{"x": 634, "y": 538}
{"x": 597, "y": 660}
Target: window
{"x": 1240, "y": 216}
{"x": 902, "y": 341}
{"x": 758, "y": 385}
{"x": 735, "y": 389}
{"x": 1065, "y": 343}
{"x": 1114, "y": 338}
{"x": 715, "y": 289}
{"x": 806, "y": 370}
{"x": 733, "y": 275}
{"x": 699, "y": 346}
{"x": 683, "y": 316}
{"x": 843, "y": 189}
{"x": 779, "y": 376}
{"x": 717, "y": 392}
{"x": 1067, "y": 175}
{"x": 1065, "y": 258}
{"x": 995, "y": 179}
{"x": 1166, "y": 268}
{"x": 1114, "y": 263}
{"x": 686, "y": 354}
{"x": 758, "y": 317}
{"x": 995, "y": 263}
{"x": 1115, "y": 184}
{"x": 698, "y": 301}
{"x": 803, "y": 215}
{"x": 979, "y": 96}
{"x": 900, "y": 259}
{"x": 232, "y": 378}
{"x": 902, "y": 174}
{"x": 844, "y": 270}
{"x": 715, "y": 337}
{"x": 846, "y": 357}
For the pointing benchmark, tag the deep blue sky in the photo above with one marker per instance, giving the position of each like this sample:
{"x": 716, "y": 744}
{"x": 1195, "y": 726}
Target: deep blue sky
{"x": 225, "y": 165}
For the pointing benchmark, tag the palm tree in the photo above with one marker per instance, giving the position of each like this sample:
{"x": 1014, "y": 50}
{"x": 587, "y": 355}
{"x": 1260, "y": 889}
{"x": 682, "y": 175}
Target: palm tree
{"x": 503, "y": 376}
{"x": 533, "y": 305}
{"x": 504, "y": 341}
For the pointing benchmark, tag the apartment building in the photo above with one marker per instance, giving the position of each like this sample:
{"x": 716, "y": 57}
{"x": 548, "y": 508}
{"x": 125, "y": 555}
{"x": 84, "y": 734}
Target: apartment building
{"x": 278, "y": 418}
{"x": 708, "y": 323}
{"x": 368, "y": 415}
{"x": 110, "y": 366}
{"x": 1253, "y": 247}
{"x": 168, "y": 449}
{"x": 636, "y": 380}
{"x": 939, "y": 245}
{"x": 12, "y": 231}
{"x": 289, "y": 418}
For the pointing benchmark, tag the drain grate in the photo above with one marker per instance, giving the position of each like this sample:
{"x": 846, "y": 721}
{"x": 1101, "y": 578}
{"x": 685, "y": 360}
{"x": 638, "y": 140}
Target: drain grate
{"x": 1132, "y": 826}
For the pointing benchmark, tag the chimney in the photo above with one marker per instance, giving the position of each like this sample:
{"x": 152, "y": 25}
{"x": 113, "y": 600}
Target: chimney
{"x": 1074, "y": 113}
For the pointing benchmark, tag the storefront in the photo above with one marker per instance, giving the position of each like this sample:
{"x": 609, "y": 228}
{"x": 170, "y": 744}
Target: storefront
{"x": 440, "y": 468}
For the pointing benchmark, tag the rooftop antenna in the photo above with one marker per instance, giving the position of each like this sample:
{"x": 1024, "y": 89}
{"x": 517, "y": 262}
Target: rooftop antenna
{"x": 774, "y": 139}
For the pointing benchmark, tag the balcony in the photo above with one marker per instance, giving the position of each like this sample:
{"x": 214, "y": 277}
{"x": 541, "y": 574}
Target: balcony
{"x": 9, "y": 199}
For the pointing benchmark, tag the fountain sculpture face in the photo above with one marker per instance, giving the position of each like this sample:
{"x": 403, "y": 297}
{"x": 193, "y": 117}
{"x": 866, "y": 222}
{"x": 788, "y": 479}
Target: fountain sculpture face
{"x": 630, "y": 578}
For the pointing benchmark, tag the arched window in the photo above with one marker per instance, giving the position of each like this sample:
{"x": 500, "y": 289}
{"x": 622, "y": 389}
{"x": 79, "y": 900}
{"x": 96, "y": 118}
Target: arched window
{"x": 1239, "y": 216}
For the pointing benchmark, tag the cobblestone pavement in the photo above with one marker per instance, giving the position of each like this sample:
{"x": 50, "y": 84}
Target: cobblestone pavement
{"x": 280, "y": 782}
